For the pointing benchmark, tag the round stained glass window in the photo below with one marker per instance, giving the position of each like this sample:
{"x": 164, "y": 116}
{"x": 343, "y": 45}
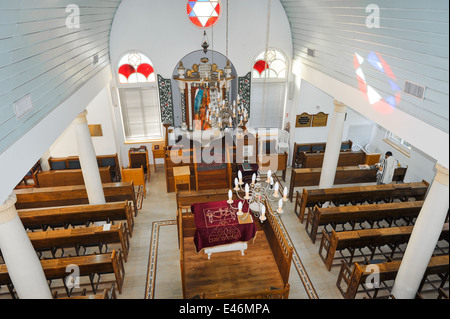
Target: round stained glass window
{"x": 204, "y": 13}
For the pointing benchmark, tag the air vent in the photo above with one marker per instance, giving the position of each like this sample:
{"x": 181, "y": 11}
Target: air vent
{"x": 414, "y": 89}
{"x": 23, "y": 106}
{"x": 312, "y": 53}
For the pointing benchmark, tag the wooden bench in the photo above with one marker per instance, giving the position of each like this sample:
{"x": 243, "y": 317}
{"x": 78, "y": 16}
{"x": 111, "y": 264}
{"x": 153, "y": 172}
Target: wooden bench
{"x": 371, "y": 213}
{"x": 91, "y": 265}
{"x": 302, "y": 177}
{"x": 370, "y": 238}
{"x": 314, "y": 148}
{"x": 355, "y": 278}
{"x": 135, "y": 176}
{"x": 107, "y": 294}
{"x": 65, "y": 216}
{"x": 359, "y": 194}
{"x": 73, "y": 162}
{"x": 68, "y": 177}
{"x": 72, "y": 195}
{"x": 350, "y": 158}
{"x": 54, "y": 240}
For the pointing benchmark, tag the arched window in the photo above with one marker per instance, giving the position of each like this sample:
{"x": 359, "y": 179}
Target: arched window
{"x": 134, "y": 67}
{"x": 139, "y": 98}
{"x": 271, "y": 65}
{"x": 268, "y": 90}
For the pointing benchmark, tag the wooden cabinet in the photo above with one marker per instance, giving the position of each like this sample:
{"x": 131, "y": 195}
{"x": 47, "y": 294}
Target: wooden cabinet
{"x": 138, "y": 158}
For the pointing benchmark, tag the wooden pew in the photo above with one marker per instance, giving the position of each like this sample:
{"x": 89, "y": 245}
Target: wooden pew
{"x": 72, "y": 195}
{"x": 91, "y": 265}
{"x": 301, "y": 177}
{"x": 81, "y": 237}
{"x": 107, "y": 294}
{"x": 314, "y": 148}
{"x": 371, "y": 238}
{"x": 355, "y": 278}
{"x": 135, "y": 176}
{"x": 371, "y": 213}
{"x": 73, "y": 162}
{"x": 355, "y": 194}
{"x": 350, "y": 158}
{"x": 68, "y": 177}
{"x": 65, "y": 216}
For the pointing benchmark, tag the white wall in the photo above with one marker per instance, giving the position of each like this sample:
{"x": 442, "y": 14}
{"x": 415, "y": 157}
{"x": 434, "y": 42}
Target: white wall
{"x": 312, "y": 100}
{"x": 17, "y": 160}
{"x": 420, "y": 165}
{"x": 99, "y": 112}
{"x": 424, "y": 137}
{"x": 161, "y": 30}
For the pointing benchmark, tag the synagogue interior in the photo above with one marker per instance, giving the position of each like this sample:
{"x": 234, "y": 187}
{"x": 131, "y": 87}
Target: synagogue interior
{"x": 224, "y": 149}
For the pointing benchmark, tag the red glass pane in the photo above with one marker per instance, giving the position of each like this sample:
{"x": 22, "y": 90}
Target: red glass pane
{"x": 260, "y": 66}
{"x": 211, "y": 21}
{"x": 196, "y": 21}
{"x": 126, "y": 70}
{"x": 145, "y": 69}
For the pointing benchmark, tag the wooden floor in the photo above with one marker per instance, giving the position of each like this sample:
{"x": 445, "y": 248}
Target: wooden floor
{"x": 229, "y": 273}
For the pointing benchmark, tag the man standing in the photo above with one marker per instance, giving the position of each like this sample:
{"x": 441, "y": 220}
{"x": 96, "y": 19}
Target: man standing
{"x": 386, "y": 169}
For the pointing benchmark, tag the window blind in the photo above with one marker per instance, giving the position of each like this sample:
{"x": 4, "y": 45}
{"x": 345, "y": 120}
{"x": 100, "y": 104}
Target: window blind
{"x": 140, "y": 113}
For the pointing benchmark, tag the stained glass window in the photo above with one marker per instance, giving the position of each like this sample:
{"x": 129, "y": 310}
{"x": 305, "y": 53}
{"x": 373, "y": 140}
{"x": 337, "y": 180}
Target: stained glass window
{"x": 135, "y": 67}
{"x": 204, "y": 13}
{"x": 270, "y": 64}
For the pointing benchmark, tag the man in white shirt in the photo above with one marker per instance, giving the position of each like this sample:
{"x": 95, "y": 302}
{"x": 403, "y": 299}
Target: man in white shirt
{"x": 386, "y": 169}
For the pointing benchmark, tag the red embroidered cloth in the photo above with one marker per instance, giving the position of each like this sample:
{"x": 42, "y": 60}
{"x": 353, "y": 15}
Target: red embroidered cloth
{"x": 217, "y": 224}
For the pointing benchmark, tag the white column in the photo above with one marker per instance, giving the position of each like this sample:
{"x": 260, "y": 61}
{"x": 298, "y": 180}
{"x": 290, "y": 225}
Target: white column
{"x": 24, "y": 267}
{"x": 88, "y": 161}
{"x": 333, "y": 146}
{"x": 424, "y": 237}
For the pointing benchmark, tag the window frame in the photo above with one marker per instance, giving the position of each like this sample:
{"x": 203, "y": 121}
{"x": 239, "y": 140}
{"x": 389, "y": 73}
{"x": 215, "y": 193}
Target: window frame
{"x": 398, "y": 143}
{"x": 270, "y": 79}
{"x": 138, "y": 85}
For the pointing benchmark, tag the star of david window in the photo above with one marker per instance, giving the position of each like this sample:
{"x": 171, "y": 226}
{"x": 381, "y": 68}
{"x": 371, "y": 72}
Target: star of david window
{"x": 204, "y": 13}
{"x": 135, "y": 67}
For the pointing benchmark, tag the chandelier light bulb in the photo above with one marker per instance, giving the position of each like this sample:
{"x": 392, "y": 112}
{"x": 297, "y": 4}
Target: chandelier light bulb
{"x": 236, "y": 184}
{"x": 240, "y": 208}
{"x": 275, "y": 194}
{"x": 263, "y": 213}
{"x": 247, "y": 192}
{"x": 230, "y": 197}
{"x": 285, "y": 193}
{"x": 280, "y": 206}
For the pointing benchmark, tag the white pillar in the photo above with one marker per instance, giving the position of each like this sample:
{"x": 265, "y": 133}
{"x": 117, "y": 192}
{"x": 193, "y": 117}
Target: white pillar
{"x": 333, "y": 146}
{"x": 24, "y": 266}
{"x": 88, "y": 161}
{"x": 424, "y": 237}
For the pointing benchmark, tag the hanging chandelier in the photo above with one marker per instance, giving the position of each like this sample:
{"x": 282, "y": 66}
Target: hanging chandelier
{"x": 259, "y": 192}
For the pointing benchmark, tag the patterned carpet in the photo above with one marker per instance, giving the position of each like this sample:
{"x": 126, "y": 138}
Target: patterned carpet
{"x": 153, "y": 258}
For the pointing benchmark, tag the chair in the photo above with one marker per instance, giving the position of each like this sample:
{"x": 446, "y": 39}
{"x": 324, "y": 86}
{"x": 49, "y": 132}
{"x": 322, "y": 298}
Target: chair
{"x": 283, "y": 141}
